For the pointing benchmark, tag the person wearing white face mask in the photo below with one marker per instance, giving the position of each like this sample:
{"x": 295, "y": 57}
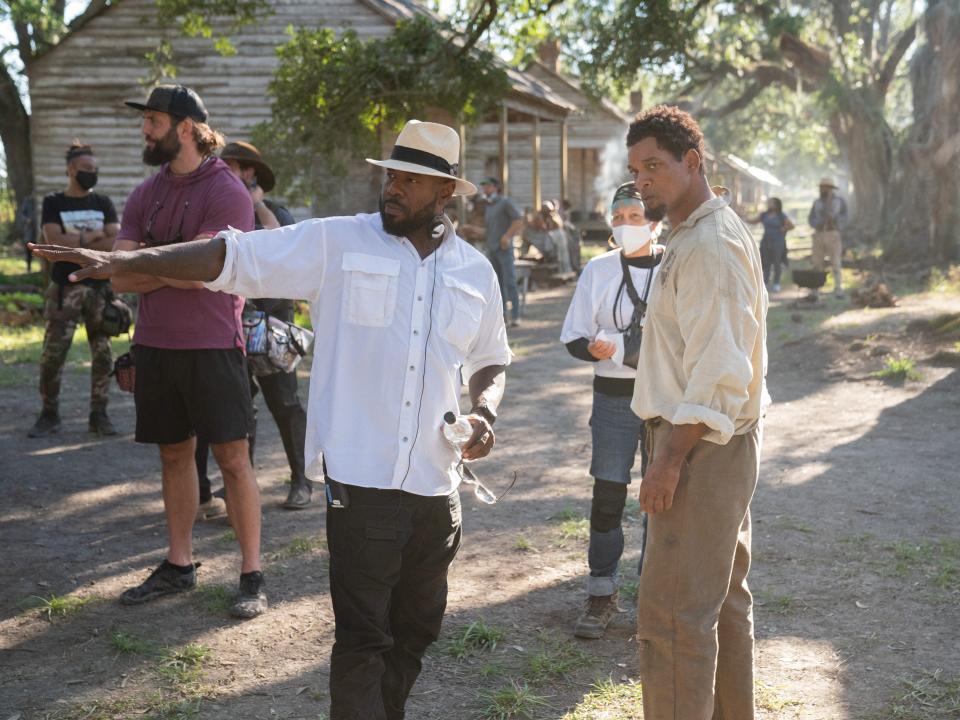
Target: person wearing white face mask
{"x": 602, "y": 327}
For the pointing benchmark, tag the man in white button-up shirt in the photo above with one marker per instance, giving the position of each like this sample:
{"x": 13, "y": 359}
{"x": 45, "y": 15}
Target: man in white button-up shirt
{"x": 404, "y": 311}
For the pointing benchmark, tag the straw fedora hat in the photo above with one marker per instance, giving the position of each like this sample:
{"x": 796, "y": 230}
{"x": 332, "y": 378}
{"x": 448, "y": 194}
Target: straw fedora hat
{"x": 246, "y": 153}
{"x": 427, "y": 148}
{"x": 828, "y": 182}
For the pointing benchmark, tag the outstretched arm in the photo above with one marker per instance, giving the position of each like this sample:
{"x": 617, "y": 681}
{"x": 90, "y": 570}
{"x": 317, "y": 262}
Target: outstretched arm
{"x": 199, "y": 260}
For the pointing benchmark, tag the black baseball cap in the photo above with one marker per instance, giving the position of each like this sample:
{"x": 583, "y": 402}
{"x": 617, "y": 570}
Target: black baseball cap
{"x": 178, "y": 100}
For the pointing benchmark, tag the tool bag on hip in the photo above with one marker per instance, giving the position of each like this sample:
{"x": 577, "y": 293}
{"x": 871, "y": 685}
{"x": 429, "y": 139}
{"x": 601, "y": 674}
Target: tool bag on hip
{"x": 117, "y": 316}
{"x": 125, "y": 371}
{"x": 273, "y": 345}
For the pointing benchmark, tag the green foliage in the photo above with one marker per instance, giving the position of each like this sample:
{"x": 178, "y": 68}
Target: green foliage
{"x": 607, "y": 694}
{"x": 556, "y": 659}
{"x": 476, "y": 637}
{"x": 511, "y": 702}
{"x": 333, "y": 95}
{"x": 57, "y": 605}
{"x": 184, "y": 666}
{"x": 129, "y": 643}
{"x": 898, "y": 369}
{"x": 215, "y": 599}
{"x": 300, "y": 546}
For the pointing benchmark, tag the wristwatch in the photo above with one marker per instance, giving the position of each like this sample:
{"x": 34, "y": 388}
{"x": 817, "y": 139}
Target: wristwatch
{"x": 485, "y": 412}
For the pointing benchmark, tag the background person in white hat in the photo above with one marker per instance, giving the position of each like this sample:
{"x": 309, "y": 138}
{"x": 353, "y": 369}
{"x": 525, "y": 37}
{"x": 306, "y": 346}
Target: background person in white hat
{"x": 828, "y": 216}
{"x": 402, "y": 309}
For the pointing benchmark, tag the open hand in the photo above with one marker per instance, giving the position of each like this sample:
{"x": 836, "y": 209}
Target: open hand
{"x": 94, "y": 264}
{"x": 482, "y": 440}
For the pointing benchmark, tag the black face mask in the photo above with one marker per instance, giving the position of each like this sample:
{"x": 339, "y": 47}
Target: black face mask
{"x": 86, "y": 179}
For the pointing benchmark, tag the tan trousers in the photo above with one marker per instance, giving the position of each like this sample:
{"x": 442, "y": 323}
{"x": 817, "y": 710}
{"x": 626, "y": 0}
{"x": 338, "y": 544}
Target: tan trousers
{"x": 695, "y": 612}
{"x": 827, "y": 243}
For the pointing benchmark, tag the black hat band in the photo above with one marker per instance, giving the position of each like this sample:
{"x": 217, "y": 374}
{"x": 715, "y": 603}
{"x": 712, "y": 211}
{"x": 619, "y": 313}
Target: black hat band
{"x": 421, "y": 157}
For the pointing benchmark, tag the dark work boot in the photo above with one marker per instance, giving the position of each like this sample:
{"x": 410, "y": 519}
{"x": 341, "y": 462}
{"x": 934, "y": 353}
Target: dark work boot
{"x": 100, "y": 423}
{"x": 47, "y": 424}
{"x": 301, "y": 492}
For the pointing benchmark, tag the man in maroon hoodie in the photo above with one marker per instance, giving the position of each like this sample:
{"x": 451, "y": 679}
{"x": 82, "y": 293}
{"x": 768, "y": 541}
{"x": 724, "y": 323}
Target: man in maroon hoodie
{"x": 191, "y": 371}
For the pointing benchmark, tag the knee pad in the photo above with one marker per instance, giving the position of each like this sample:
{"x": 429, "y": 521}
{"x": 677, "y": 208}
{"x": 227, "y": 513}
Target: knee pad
{"x": 606, "y": 510}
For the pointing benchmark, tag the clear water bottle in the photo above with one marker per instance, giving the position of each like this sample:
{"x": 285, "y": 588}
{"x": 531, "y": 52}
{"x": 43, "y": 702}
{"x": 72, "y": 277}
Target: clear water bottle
{"x": 457, "y": 430}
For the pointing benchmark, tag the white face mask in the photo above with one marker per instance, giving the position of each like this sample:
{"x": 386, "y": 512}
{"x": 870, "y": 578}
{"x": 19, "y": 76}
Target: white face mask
{"x": 632, "y": 238}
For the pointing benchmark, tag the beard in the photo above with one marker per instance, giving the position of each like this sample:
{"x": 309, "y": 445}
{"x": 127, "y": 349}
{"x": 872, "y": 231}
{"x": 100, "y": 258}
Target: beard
{"x": 403, "y": 227}
{"x": 164, "y": 150}
{"x": 655, "y": 214}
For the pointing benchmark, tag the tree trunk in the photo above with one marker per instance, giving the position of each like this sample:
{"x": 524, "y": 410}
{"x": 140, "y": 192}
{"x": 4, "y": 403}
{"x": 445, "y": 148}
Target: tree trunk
{"x": 868, "y": 141}
{"x": 926, "y": 211}
{"x": 943, "y": 28}
{"x": 15, "y": 134}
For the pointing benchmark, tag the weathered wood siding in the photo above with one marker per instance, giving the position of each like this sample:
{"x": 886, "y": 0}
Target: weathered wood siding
{"x": 78, "y": 88}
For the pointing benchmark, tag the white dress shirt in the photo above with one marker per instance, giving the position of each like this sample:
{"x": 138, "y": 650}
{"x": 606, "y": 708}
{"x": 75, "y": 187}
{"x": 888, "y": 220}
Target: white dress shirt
{"x": 592, "y": 308}
{"x": 396, "y": 336}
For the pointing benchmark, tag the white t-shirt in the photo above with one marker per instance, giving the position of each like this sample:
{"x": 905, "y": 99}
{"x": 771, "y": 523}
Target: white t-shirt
{"x": 592, "y": 307}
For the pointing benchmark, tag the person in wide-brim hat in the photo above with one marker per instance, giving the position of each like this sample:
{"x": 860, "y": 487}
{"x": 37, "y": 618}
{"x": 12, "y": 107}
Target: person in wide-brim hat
{"x": 247, "y": 154}
{"x": 828, "y": 182}
{"x": 427, "y": 148}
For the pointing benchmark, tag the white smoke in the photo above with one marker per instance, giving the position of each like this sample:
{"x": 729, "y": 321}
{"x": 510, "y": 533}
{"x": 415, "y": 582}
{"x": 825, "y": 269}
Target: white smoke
{"x": 613, "y": 171}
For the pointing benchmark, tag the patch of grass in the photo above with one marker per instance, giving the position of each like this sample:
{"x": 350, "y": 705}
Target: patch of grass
{"x": 25, "y": 345}
{"x": 556, "y": 659}
{"x": 938, "y": 561}
{"x": 577, "y": 530}
{"x": 184, "y": 666}
{"x": 57, "y": 605}
{"x": 300, "y": 546}
{"x": 176, "y": 708}
{"x": 609, "y": 700}
{"x": 927, "y": 697}
{"x": 97, "y": 710}
{"x": 898, "y": 369}
{"x": 227, "y": 538}
{"x": 568, "y": 513}
{"x": 777, "y": 604}
{"x": 489, "y": 670}
{"x": 944, "y": 280}
{"x": 629, "y": 589}
{"x": 130, "y": 643}
{"x": 510, "y": 702}
{"x": 767, "y": 697}
{"x": 476, "y": 637}
{"x": 215, "y": 599}
{"x": 788, "y": 524}
{"x": 524, "y": 545}
{"x": 631, "y": 508}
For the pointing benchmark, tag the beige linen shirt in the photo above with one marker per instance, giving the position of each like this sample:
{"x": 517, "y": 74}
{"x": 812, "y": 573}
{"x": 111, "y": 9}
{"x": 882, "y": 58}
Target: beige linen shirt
{"x": 704, "y": 350}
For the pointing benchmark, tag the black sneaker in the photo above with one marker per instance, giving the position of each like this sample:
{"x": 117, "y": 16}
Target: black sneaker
{"x": 47, "y": 424}
{"x": 165, "y": 580}
{"x": 251, "y": 600}
{"x": 100, "y": 424}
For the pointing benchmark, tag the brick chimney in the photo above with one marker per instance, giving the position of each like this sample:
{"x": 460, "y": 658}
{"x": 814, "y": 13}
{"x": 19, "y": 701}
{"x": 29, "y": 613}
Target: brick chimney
{"x": 549, "y": 54}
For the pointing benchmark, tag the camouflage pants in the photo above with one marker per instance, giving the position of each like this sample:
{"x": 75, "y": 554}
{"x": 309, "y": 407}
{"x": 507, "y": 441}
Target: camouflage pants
{"x": 62, "y": 314}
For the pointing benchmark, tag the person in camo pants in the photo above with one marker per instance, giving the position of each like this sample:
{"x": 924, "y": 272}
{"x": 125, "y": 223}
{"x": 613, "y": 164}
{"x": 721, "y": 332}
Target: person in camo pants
{"x": 76, "y": 217}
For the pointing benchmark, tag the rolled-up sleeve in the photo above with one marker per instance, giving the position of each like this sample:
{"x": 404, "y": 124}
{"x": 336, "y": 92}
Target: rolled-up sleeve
{"x": 719, "y": 331}
{"x": 287, "y": 262}
{"x": 490, "y": 346}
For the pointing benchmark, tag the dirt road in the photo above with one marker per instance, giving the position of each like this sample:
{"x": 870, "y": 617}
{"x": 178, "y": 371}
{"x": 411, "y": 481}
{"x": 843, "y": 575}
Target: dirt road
{"x": 856, "y": 573}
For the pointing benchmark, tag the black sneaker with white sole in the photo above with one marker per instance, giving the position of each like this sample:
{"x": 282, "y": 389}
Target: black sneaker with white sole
{"x": 251, "y": 600}
{"x": 165, "y": 580}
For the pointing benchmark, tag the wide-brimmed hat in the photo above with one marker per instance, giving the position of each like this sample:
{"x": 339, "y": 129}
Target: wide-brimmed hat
{"x": 828, "y": 182}
{"x": 177, "y": 100}
{"x": 246, "y": 153}
{"x": 427, "y": 148}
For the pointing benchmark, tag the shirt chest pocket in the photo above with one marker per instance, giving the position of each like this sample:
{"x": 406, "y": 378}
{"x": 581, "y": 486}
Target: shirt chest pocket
{"x": 370, "y": 289}
{"x": 461, "y": 312}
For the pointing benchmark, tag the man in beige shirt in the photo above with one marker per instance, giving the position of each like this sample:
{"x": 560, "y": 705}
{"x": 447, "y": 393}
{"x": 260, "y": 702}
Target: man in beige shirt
{"x": 702, "y": 394}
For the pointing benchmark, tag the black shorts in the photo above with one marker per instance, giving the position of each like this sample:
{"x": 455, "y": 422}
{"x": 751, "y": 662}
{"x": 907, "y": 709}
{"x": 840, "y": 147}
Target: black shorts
{"x": 180, "y": 393}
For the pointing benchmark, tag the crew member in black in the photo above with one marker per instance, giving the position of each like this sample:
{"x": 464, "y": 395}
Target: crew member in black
{"x": 76, "y": 217}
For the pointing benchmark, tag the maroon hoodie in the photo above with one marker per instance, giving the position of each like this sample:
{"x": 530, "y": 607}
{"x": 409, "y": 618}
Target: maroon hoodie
{"x": 166, "y": 209}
